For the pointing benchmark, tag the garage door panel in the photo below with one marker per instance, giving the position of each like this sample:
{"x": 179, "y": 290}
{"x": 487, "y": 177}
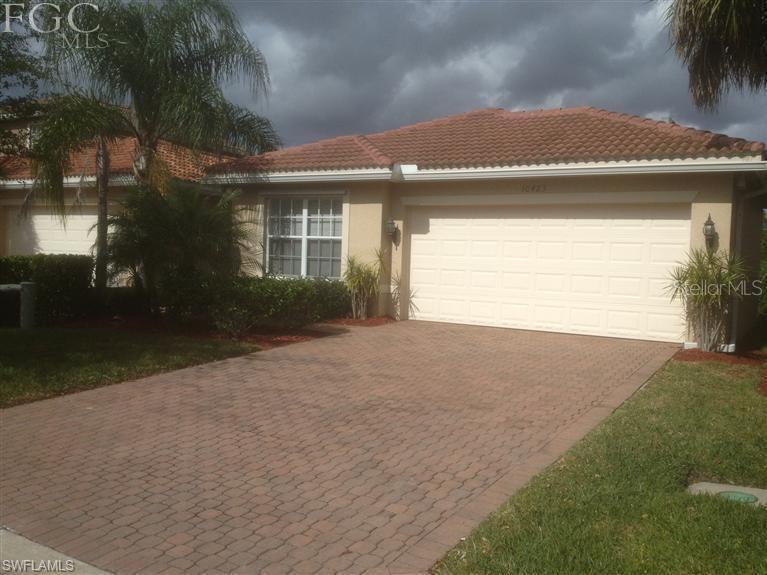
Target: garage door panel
{"x": 586, "y": 269}
{"x": 622, "y": 287}
{"x": 667, "y": 254}
{"x": 587, "y": 319}
{"x": 41, "y": 232}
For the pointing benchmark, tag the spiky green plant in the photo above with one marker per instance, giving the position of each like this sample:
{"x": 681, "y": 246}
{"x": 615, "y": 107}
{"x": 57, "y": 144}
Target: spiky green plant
{"x": 364, "y": 283}
{"x": 722, "y": 42}
{"x": 706, "y": 284}
{"x": 396, "y": 297}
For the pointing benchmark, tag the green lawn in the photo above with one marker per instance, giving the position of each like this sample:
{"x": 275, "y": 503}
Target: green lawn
{"x": 617, "y": 503}
{"x": 44, "y": 362}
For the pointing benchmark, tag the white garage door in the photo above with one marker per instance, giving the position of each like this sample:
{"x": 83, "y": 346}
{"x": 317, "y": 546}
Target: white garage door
{"x": 40, "y": 232}
{"x": 600, "y": 270}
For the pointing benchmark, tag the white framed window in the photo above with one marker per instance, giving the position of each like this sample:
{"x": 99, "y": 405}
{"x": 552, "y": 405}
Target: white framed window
{"x": 303, "y": 236}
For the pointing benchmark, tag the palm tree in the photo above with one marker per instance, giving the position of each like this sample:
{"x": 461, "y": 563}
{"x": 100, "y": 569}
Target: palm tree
{"x": 160, "y": 78}
{"x": 176, "y": 245}
{"x": 723, "y": 44}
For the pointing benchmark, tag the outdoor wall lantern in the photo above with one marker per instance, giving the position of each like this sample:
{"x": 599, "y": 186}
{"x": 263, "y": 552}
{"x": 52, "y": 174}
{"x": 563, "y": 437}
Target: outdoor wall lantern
{"x": 709, "y": 232}
{"x": 391, "y": 227}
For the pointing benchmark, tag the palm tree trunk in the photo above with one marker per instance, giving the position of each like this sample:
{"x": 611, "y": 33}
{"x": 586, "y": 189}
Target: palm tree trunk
{"x": 102, "y": 183}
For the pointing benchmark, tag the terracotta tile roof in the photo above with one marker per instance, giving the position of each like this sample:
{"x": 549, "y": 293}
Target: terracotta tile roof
{"x": 182, "y": 163}
{"x": 496, "y": 137}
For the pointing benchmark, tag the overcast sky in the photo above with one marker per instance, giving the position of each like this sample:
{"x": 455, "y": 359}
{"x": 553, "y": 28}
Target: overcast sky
{"x": 359, "y": 67}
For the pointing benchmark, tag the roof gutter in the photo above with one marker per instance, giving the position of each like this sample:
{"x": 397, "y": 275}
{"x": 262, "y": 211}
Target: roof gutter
{"x": 69, "y": 182}
{"x": 411, "y": 172}
{"x": 373, "y": 174}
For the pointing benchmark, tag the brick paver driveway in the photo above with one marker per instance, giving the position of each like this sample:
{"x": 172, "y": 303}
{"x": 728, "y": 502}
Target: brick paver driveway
{"x": 376, "y": 449}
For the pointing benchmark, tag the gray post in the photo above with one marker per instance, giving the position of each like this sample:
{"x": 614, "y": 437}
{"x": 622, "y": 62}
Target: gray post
{"x": 27, "y": 305}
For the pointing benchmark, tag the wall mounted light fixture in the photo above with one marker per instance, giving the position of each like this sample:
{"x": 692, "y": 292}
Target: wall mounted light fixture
{"x": 709, "y": 232}
{"x": 391, "y": 227}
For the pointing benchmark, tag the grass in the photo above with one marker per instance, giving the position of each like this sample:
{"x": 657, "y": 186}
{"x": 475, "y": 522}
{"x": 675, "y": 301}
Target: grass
{"x": 616, "y": 503}
{"x": 45, "y": 362}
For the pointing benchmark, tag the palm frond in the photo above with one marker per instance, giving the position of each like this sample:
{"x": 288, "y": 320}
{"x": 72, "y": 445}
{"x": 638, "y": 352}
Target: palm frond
{"x": 70, "y": 124}
{"x": 723, "y": 45}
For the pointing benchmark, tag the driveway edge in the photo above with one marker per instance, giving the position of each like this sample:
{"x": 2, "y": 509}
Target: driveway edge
{"x": 420, "y": 557}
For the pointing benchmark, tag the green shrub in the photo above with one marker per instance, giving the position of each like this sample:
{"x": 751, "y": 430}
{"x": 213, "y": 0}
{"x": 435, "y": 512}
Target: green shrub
{"x": 125, "y": 301}
{"x": 271, "y": 302}
{"x": 63, "y": 283}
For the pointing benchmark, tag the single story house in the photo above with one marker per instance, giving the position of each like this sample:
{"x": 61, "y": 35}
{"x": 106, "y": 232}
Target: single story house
{"x": 565, "y": 220}
{"x": 42, "y": 232}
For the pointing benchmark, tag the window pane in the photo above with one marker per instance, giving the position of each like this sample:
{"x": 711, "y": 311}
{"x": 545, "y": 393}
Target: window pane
{"x": 285, "y": 230}
{"x": 313, "y": 268}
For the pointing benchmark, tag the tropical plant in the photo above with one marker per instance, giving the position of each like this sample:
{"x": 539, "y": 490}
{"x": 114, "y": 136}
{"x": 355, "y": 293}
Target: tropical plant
{"x": 723, "y": 45}
{"x": 396, "y": 298}
{"x": 179, "y": 248}
{"x": 20, "y": 77}
{"x": 364, "y": 283}
{"x": 159, "y": 78}
{"x": 706, "y": 284}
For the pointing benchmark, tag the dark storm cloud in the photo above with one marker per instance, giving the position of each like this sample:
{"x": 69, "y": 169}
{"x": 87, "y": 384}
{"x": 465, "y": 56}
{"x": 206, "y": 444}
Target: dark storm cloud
{"x": 345, "y": 67}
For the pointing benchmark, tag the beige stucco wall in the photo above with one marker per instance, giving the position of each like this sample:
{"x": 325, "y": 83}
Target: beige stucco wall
{"x": 368, "y": 205}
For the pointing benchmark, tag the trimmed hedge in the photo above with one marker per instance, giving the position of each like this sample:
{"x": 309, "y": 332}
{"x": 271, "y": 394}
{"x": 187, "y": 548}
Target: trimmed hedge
{"x": 279, "y": 303}
{"x": 63, "y": 283}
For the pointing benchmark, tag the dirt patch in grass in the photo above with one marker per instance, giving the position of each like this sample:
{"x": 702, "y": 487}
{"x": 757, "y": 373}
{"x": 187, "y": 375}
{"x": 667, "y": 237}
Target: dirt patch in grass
{"x": 753, "y": 358}
{"x": 369, "y": 322}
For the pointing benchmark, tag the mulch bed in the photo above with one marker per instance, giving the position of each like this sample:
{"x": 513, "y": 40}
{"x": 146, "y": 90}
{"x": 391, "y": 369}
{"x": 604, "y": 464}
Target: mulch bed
{"x": 267, "y": 339}
{"x": 753, "y": 358}
{"x": 279, "y": 339}
{"x": 369, "y": 322}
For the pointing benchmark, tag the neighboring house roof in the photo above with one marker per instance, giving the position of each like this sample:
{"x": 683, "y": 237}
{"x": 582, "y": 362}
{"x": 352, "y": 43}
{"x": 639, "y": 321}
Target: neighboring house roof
{"x": 495, "y": 137}
{"x": 182, "y": 163}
